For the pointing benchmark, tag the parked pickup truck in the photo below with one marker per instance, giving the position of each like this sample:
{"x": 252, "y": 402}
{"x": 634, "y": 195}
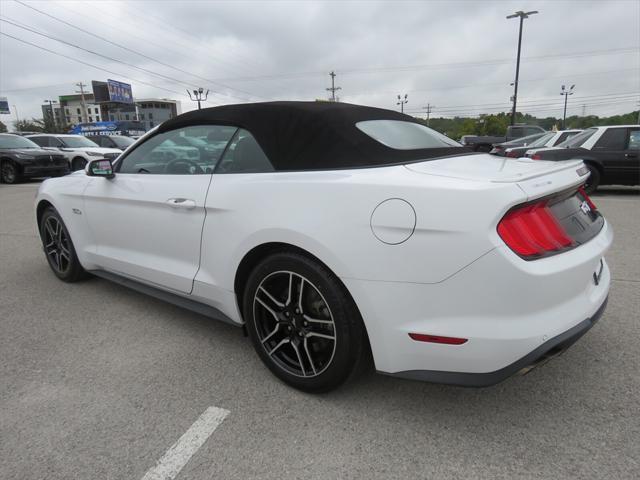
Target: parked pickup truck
{"x": 485, "y": 143}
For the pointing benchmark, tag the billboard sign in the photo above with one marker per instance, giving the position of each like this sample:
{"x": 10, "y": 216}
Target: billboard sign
{"x": 119, "y": 92}
{"x": 4, "y": 105}
{"x": 112, "y": 91}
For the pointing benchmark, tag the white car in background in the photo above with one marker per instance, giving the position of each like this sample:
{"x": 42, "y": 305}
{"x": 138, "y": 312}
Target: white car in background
{"x": 328, "y": 231}
{"x": 78, "y": 149}
{"x": 548, "y": 140}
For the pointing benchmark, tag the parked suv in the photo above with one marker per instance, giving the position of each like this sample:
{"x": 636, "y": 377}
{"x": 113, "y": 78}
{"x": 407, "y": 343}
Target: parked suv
{"x": 112, "y": 141}
{"x": 77, "y": 149}
{"x": 21, "y": 158}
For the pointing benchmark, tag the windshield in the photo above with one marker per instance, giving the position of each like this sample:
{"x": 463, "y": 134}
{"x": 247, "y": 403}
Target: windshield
{"x": 123, "y": 142}
{"x": 579, "y": 139}
{"x": 15, "y": 141}
{"x": 405, "y": 135}
{"x": 77, "y": 142}
{"x": 542, "y": 140}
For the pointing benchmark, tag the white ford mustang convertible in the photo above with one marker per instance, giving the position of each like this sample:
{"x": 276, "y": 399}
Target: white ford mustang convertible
{"x": 333, "y": 233}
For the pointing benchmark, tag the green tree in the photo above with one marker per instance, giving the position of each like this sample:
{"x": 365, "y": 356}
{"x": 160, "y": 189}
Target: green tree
{"x": 28, "y": 125}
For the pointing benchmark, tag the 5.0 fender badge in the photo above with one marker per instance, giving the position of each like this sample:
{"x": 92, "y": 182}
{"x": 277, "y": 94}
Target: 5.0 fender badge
{"x": 77, "y": 211}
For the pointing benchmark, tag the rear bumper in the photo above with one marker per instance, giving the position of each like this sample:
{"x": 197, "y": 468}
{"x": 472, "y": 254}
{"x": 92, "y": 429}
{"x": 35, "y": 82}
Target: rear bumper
{"x": 547, "y": 350}
{"x": 510, "y": 311}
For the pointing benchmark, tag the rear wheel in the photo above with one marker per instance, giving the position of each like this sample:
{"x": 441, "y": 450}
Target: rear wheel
{"x": 58, "y": 247}
{"x": 302, "y": 322}
{"x": 78, "y": 163}
{"x": 9, "y": 172}
{"x": 593, "y": 181}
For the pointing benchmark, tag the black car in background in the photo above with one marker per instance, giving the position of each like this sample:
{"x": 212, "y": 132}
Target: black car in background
{"x": 112, "y": 141}
{"x": 21, "y": 158}
{"x": 610, "y": 153}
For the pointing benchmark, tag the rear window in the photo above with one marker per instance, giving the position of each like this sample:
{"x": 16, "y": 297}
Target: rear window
{"x": 404, "y": 135}
{"x": 541, "y": 142}
{"x": 579, "y": 139}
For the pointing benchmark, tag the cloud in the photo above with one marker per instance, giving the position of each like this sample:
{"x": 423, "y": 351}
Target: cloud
{"x": 284, "y": 50}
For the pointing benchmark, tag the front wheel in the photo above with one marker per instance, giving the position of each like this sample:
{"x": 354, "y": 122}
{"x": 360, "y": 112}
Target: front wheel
{"x": 303, "y": 323}
{"x": 58, "y": 247}
{"x": 9, "y": 172}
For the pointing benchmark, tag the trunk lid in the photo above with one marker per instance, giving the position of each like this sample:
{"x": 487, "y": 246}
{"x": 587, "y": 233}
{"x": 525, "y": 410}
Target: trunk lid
{"x": 536, "y": 177}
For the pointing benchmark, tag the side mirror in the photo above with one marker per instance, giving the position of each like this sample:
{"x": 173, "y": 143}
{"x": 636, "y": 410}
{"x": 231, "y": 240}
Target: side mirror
{"x": 100, "y": 168}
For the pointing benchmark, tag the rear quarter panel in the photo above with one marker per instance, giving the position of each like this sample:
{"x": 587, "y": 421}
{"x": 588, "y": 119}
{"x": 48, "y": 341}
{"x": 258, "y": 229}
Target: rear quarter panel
{"x": 328, "y": 214}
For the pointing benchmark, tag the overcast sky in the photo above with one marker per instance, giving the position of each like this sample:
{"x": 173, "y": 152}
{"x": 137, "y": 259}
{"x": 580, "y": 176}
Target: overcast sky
{"x": 456, "y": 55}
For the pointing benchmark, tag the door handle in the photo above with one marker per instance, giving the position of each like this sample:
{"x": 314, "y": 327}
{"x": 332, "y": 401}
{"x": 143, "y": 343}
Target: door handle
{"x": 184, "y": 203}
{"x": 631, "y": 155}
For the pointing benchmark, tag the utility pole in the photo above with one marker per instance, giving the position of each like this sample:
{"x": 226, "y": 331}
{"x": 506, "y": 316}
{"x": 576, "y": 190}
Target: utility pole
{"x": 522, "y": 15}
{"x": 197, "y": 96}
{"x": 584, "y": 110}
{"x": 402, "y": 101}
{"x": 429, "y": 107}
{"x": 83, "y": 116}
{"x": 53, "y": 115}
{"x": 333, "y": 89}
{"x": 566, "y": 94}
{"x": 17, "y": 116}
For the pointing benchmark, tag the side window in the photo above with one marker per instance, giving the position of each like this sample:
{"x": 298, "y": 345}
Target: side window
{"x": 634, "y": 140}
{"x": 531, "y": 131}
{"x": 191, "y": 150}
{"x": 42, "y": 141}
{"x": 612, "y": 139}
{"x": 55, "y": 142}
{"x": 244, "y": 155}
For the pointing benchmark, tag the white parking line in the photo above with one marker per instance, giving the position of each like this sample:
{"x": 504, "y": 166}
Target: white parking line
{"x": 180, "y": 452}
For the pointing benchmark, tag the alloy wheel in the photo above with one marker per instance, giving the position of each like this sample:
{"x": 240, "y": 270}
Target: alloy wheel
{"x": 56, "y": 245}
{"x": 8, "y": 173}
{"x": 294, "y": 324}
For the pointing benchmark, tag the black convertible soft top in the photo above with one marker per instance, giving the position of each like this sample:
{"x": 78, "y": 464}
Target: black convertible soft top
{"x": 312, "y": 135}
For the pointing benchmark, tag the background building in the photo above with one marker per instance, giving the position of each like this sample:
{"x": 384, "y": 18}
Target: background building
{"x": 154, "y": 111}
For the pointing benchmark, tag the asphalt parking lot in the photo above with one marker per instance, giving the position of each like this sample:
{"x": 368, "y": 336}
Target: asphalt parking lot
{"x": 98, "y": 382}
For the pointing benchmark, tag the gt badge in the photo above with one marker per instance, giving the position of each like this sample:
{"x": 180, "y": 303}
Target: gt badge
{"x": 584, "y": 206}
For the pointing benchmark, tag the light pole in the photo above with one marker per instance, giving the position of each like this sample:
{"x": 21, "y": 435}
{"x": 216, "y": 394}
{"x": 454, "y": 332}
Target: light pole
{"x": 402, "y": 101}
{"x": 522, "y": 15}
{"x": 566, "y": 94}
{"x": 53, "y": 116}
{"x": 197, "y": 96}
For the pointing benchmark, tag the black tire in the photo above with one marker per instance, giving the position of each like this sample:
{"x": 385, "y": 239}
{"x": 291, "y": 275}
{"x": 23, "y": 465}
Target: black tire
{"x": 9, "y": 172}
{"x": 593, "y": 181}
{"x": 321, "y": 364}
{"x": 58, "y": 247}
{"x": 78, "y": 163}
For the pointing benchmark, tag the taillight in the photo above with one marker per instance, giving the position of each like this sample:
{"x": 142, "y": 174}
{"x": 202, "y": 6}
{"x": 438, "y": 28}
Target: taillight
{"x": 511, "y": 154}
{"x": 536, "y": 156}
{"x": 532, "y": 231}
